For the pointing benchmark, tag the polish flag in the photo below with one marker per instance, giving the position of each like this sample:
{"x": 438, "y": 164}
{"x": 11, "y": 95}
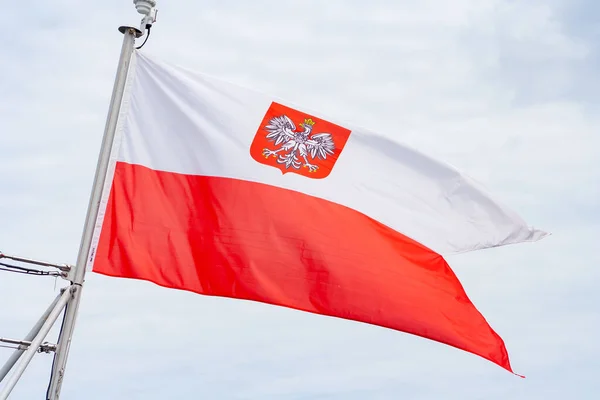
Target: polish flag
{"x": 223, "y": 191}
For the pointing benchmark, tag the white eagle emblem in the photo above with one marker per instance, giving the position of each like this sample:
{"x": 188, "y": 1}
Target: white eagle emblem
{"x": 282, "y": 132}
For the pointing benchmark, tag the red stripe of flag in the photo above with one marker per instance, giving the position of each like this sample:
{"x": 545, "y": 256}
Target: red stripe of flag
{"x": 239, "y": 239}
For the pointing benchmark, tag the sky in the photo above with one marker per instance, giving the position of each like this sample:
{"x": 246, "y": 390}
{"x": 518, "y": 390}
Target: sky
{"x": 506, "y": 91}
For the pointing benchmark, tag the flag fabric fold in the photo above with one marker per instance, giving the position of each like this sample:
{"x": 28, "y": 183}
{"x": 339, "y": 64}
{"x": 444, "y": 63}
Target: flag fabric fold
{"x": 224, "y": 191}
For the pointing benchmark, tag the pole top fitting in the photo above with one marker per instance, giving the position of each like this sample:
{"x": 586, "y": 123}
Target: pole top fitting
{"x": 124, "y": 29}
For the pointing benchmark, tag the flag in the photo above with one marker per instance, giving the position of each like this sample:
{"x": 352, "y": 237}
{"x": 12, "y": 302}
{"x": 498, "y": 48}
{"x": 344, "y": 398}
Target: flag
{"x": 223, "y": 191}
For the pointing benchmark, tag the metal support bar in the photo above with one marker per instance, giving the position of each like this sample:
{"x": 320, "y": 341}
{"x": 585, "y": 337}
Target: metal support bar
{"x": 62, "y": 267}
{"x": 20, "y": 343}
{"x": 29, "y": 337}
{"x": 35, "y": 344}
{"x": 78, "y": 273}
{"x": 24, "y": 345}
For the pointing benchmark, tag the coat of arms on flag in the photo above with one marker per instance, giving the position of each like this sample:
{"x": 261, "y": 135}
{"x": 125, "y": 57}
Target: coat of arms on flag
{"x": 293, "y": 141}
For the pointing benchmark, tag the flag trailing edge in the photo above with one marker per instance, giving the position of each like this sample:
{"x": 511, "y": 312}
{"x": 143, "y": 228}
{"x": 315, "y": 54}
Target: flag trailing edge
{"x": 223, "y": 191}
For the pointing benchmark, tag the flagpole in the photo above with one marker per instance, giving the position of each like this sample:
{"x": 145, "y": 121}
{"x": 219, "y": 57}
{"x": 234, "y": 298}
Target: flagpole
{"x": 78, "y": 272}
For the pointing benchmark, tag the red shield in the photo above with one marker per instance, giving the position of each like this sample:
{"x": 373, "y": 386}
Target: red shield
{"x": 293, "y": 141}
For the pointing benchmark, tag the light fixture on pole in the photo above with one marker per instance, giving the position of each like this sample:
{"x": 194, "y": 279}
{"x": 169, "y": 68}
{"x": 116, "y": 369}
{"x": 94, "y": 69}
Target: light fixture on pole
{"x": 148, "y": 9}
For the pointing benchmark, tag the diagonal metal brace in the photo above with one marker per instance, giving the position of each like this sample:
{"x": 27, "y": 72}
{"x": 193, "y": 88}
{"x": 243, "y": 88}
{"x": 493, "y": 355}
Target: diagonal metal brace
{"x": 36, "y": 343}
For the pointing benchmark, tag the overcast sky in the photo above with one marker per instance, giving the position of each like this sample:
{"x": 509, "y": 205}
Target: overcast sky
{"x": 507, "y": 91}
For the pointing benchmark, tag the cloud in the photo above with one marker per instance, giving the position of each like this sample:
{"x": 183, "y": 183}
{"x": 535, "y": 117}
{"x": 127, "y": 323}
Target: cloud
{"x": 504, "y": 90}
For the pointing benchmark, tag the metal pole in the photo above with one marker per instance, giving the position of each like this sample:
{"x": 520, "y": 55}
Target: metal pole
{"x": 21, "y": 343}
{"x": 24, "y": 344}
{"x": 62, "y": 267}
{"x": 32, "y": 333}
{"x": 35, "y": 344}
{"x": 64, "y": 340}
